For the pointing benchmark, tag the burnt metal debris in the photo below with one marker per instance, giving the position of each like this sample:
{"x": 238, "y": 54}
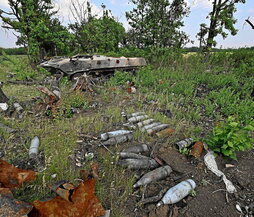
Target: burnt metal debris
{"x": 95, "y": 64}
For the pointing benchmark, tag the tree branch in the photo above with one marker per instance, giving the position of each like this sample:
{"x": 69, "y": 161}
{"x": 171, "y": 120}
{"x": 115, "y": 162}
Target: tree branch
{"x": 4, "y": 12}
{"x": 250, "y": 23}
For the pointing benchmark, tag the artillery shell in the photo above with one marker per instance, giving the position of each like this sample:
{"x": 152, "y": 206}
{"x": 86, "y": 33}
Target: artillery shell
{"x": 154, "y": 175}
{"x": 184, "y": 143}
{"x": 118, "y": 139}
{"x": 108, "y": 135}
{"x": 34, "y": 148}
{"x": 125, "y": 155}
{"x": 145, "y": 122}
{"x": 150, "y": 126}
{"x": 136, "y": 164}
{"x": 136, "y": 114}
{"x": 197, "y": 149}
{"x": 137, "y": 118}
{"x": 157, "y": 129}
{"x": 137, "y": 149}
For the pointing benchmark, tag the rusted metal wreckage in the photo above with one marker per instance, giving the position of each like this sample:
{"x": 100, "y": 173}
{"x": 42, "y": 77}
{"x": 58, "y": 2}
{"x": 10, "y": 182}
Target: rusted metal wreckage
{"x": 92, "y": 64}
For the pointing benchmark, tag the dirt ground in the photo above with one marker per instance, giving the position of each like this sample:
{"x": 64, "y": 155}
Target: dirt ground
{"x": 211, "y": 197}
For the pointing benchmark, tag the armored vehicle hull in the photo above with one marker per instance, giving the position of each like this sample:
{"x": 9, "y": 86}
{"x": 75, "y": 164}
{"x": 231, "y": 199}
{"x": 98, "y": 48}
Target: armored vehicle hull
{"x": 96, "y": 64}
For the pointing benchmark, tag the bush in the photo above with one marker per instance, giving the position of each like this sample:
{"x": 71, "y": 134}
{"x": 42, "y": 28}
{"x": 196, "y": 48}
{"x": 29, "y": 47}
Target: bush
{"x": 230, "y": 137}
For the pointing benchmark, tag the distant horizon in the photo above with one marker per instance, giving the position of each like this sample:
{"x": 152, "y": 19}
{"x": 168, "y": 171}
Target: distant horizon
{"x": 199, "y": 9}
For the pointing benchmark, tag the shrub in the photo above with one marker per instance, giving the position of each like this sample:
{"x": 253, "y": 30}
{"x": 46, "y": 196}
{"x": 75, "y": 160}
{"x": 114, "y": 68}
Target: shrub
{"x": 230, "y": 137}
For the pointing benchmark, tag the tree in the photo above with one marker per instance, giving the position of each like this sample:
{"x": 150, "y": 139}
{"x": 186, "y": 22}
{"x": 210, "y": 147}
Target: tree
{"x": 221, "y": 19}
{"x": 157, "y": 23}
{"x": 94, "y": 34}
{"x": 38, "y": 30}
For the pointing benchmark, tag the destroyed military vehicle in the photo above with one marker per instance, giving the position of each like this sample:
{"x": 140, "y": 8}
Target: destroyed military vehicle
{"x": 91, "y": 64}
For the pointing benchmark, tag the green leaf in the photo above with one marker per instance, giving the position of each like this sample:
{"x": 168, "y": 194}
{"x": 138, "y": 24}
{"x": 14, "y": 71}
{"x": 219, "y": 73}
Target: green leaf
{"x": 230, "y": 144}
{"x": 233, "y": 124}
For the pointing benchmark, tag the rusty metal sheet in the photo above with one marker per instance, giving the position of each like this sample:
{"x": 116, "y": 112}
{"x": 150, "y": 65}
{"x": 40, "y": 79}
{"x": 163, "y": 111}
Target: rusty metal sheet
{"x": 12, "y": 177}
{"x": 80, "y": 201}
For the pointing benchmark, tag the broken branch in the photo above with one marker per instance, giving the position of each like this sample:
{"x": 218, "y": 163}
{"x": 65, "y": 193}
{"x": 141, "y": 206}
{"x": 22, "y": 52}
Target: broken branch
{"x": 250, "y": 23}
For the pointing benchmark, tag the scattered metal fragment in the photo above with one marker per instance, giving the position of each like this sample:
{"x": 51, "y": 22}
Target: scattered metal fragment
{"x": 80, "y": 201}
{"x": 125, "y": 155}
{"x": 137, "y": 164}
{"x": 197, "y": 149}
{"x": 137, "y": 149}
{"x": 7, "y": 129}
{"x": 211, "y": 164}
{"x": 153, "y": 199}
{"x": 63, "y": 189}
{"x": 83, "y": 83}
{"x": 157, "y": 129}
{"x": 108, "y": 135}
{"x": 238, "y": 208}
{"x": 53, "y": 176}
{"x": 178, "y": 192}
{"x": 131, "y": 90}
{"x": 154, "y": 175}
{"x": 34, "y": 147}
{"x": 229, "y": 165}
{"x": 51, "y": 102}
{"x": 184, "y": 143}
{"x": 12, "y": 177}
{"x": 107, "y": 213}
{"x": 4, "y": 106}
{"x": 18, "y": 107}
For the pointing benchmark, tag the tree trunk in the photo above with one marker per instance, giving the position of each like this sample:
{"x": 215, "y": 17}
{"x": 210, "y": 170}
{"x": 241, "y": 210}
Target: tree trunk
{"x": 213, "y": 23}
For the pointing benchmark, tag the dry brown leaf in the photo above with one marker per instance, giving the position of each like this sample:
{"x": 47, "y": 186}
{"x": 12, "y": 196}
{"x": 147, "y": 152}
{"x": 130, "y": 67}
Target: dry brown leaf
{"x": 12, "y": 177}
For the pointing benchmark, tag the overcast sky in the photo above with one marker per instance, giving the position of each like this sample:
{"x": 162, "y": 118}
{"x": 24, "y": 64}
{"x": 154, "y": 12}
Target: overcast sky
{"x": 199, "y": 11}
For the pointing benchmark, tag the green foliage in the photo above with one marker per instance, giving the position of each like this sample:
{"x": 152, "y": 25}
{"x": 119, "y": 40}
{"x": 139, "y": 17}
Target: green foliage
{"x": 185, "y": 151}
{"x": 20, "y": 67}
{"x": 75, "y": 100}
{"x": 102, "y": 35}
{"x": 157, "y": 23}
{"x": 39, "y": 32}
{"x": 177, "y": 77}
{"x": 230, "y": 137}
{"x": 221, "y": 17}
{"x": 13, "y": 51}
{"x": 93, "y": 34}
{"x": 120, "y": 78}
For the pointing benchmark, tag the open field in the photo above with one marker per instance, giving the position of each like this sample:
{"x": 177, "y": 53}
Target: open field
{"x": 188, "y": 93}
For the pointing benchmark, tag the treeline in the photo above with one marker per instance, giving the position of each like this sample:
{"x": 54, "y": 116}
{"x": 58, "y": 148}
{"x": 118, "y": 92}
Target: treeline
{"x": 13, "y": 51}
{"x": 122, "y": 51}
{"x": 154, "y": 25}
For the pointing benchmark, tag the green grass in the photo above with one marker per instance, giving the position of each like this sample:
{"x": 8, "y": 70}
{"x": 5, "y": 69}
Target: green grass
{"x": 196, "y": 92}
